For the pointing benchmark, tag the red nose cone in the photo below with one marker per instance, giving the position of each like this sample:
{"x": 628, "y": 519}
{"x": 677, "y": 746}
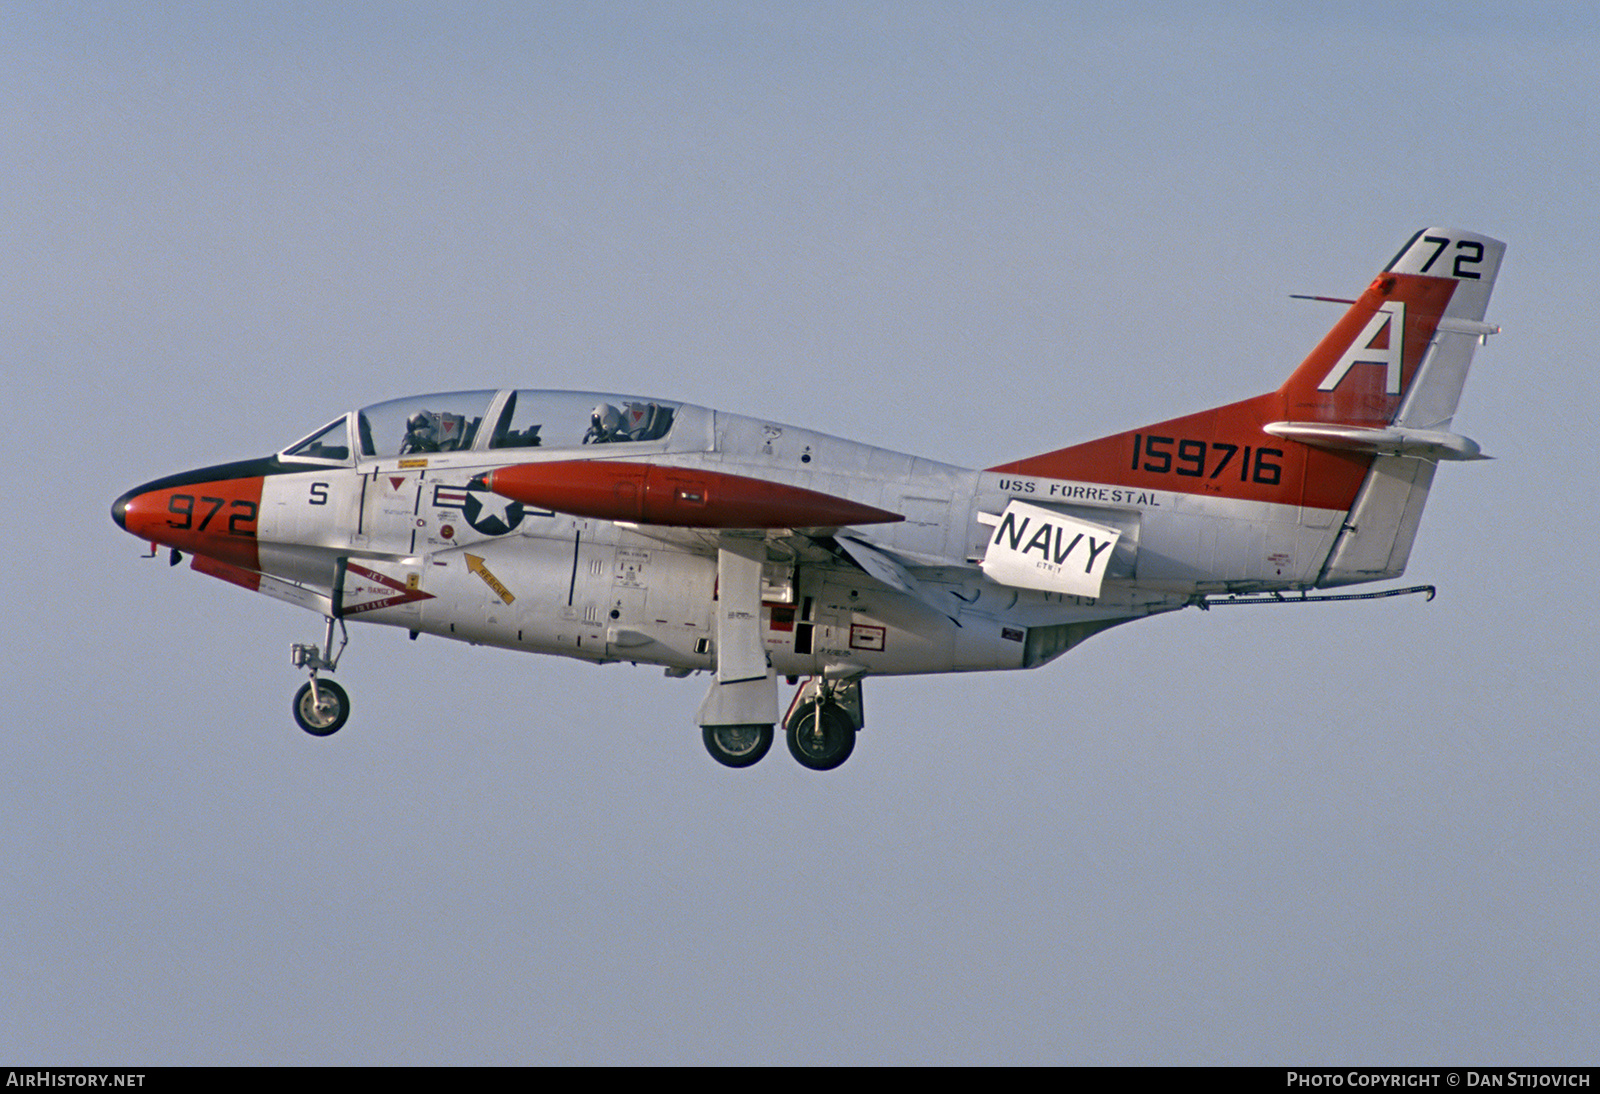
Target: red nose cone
{"x": 648, "y": 494}
{"x": 216, "y": 518}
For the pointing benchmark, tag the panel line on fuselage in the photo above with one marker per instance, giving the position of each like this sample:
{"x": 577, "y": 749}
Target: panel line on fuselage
{"x": 572, "y": 585}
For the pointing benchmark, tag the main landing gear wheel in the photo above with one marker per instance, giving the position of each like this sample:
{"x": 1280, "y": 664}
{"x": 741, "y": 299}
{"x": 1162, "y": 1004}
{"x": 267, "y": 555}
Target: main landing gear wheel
{"x": 323, "y": 713}
{"x": 738, "y": 745}
{"x": 821, "y": 735}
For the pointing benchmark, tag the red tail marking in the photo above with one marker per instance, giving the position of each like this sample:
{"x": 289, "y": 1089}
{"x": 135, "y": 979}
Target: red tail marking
{"x": 1361, "y": 396}
{"x": 1223, "y": 451}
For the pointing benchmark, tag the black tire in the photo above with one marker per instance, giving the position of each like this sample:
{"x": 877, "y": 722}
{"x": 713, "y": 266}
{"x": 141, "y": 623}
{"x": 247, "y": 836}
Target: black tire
{"x": 332, "y": 714}
{"x": 821, "y": 736}
{"x": 738, "y": 745}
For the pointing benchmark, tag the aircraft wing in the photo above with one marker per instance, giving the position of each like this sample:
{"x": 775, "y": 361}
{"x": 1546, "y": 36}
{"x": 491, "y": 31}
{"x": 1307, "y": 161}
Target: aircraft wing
{"x": 884, "y": 567}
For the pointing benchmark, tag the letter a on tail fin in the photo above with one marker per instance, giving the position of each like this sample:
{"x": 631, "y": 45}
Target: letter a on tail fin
{"x": 1435, "y": 291}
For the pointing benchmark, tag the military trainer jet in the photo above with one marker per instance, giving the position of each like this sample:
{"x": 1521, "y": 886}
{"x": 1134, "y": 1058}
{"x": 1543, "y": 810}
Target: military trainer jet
{"x": 623, "y": 528}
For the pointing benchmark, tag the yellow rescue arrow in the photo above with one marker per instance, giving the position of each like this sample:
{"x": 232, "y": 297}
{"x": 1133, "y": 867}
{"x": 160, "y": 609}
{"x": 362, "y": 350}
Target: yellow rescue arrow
{"x": 475, "y": 564}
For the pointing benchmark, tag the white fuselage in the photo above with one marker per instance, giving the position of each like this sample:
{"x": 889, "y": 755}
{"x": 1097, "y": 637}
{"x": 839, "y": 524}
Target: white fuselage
{"x": 401, "y": 540}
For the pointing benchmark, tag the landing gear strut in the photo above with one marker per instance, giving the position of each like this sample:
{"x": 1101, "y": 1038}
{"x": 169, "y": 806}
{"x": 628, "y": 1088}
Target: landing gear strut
{"x": 321, "y": 708}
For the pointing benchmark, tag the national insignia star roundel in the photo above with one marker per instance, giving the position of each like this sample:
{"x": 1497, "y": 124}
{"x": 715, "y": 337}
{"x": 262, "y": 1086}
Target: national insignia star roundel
{"x": 490, "y": 513}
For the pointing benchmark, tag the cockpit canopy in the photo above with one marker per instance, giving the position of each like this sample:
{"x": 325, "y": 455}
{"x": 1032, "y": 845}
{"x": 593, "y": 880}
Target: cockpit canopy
{"x": 454, "y": 422}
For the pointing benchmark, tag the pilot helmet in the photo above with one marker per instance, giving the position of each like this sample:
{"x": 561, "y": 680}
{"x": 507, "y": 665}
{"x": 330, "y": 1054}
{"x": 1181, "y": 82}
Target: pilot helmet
{"x": 606, "y": 419}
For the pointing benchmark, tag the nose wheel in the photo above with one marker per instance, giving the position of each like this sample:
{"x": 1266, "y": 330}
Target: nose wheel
{"x": 321, "y": 707}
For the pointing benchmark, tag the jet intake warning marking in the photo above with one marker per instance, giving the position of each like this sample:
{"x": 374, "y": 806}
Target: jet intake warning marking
{"x": 1036, "y": 548}
{"x": 366, "y": 590}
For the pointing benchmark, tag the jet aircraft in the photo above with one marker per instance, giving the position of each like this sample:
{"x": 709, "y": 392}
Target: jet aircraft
{"x": 625, "y": 528}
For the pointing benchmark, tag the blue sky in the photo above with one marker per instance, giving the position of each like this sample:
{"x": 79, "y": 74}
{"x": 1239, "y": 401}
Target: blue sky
{"x": 1337, "y": 834}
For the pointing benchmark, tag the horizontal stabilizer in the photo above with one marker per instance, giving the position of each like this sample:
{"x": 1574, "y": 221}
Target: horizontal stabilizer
{"x": 1426, "y": 444}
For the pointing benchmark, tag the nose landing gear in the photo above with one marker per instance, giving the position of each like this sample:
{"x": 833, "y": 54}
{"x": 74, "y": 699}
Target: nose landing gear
{"x": 321, "y": 708}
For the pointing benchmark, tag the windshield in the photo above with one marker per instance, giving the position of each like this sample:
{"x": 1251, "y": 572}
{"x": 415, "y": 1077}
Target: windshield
{"x": 332, "y": 442}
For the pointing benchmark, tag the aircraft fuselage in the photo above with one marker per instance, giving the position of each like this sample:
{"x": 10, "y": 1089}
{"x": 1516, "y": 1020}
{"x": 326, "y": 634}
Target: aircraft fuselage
{"x": 610, "y": 528}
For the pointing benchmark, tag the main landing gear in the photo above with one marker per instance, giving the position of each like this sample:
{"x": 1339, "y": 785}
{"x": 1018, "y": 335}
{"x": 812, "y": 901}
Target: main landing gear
{"x": 739, "y": 745}
{"x": 321, "y": 707}
{"x": 821, "y": 733}
{"x": 821, "y": 727}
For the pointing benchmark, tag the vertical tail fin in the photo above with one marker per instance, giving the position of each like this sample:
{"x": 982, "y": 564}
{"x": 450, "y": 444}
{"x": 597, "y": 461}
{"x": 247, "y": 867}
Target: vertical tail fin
{"x": 1370, "y": 369}
{"x": 1413, "y": 434}
{"x": 1355, "y": 429}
